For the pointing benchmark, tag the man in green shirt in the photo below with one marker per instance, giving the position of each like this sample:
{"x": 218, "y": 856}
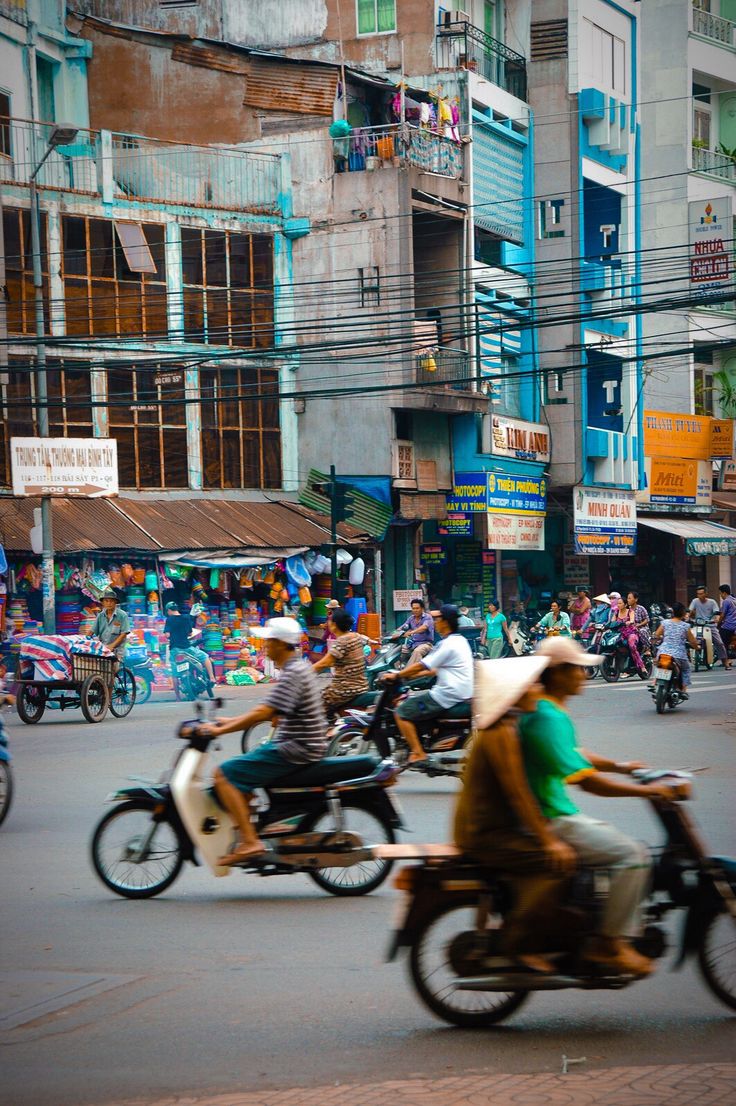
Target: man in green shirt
{"x": 112, "y": 625}
{"x": 553, "y": 761}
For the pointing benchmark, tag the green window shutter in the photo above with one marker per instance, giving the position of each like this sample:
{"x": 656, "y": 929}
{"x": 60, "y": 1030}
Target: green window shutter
{"x": 366, "y": 17}
{"x": 386, "y": 11}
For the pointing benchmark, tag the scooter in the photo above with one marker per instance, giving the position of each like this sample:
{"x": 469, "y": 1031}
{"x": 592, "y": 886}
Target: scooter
{"x": 189, "y": 673}
{"x": 667, "y": 690}
{"x": 6, "y": 773}
{"x": 521, "y": 644}
{"x": 139, "y": 663}
{"x": 704, "y": 656}
{"x": 321, "y": 820}
{"x": 454, "y": 912}
{"x": 387, "y": 657}
{"x": 617, "y": 660}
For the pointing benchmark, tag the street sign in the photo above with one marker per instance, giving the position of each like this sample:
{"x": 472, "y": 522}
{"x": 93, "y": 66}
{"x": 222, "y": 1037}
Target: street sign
{"x": 64, "y": 466}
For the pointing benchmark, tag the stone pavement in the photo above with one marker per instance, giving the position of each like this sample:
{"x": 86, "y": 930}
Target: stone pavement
{"x": 663, "y": 1085}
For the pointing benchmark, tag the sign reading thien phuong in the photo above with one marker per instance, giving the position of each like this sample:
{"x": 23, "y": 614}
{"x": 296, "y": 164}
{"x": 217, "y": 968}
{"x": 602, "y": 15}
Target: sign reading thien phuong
{"x": 64, "y": 466}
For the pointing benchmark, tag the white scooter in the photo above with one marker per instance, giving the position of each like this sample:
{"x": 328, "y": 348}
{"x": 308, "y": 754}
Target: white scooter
{"x": 322, "y": 819}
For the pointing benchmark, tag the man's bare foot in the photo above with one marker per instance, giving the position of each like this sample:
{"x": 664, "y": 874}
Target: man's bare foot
{"x": 243, "y": 852}
{"x": 612, "y": 952}
{"x": 415, "y": 758}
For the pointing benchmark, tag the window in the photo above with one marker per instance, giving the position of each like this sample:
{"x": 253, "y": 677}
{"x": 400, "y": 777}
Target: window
{"x": 147, "y": 416}
{"x": 550, "y": 219}
{"x": 19, "y": 271}
{"x": 228, "y": 287}
{"x": 45, "y": 73}
{"x": 605, "y": 58}
{"x": 702, "y": 117}
{"x": 241, "y": 438}
{"x": 5, "y": 147}
{"x": 376, "y": 17}
{"x": 103, "y": 295}
{"x": 703, "y": 386}
{"x": 370, "y": 286}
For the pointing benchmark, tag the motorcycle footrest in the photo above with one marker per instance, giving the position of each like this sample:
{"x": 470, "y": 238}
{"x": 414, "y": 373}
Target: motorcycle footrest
{"x": 535, "y": 981}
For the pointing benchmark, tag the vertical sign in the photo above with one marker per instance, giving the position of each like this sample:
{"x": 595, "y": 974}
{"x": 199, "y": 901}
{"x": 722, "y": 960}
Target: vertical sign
{"x": 711, "y": 246}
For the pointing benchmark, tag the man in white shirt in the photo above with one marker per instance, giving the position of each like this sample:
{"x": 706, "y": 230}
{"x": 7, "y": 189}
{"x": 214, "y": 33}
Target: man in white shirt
{"x": 452, "y": 663}
{"x": 705, "y": 610}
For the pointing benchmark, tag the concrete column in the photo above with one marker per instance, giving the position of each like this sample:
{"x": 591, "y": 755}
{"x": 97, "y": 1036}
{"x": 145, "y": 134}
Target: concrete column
{"x": 194, "y": 428}
{"x": 174, "y": 280}
{"x": 57, "y": 312}
{"x": 283, "y": 271}
{"x": 98, "y": 389}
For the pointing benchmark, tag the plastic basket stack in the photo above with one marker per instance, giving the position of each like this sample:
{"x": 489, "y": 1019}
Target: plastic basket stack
{"x": 17, "y": 615}
{"x": 320, "y": 595}
{"x": 212, "y": 644}
{"x": 231, "y": 652}
{"x": 67, "y": 612}
{"x": 135, "y": 601}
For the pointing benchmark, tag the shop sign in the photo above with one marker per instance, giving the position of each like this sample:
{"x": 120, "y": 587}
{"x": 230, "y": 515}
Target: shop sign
{"x": 677, "y": 482}
{"x": 64, "y": 466}
{"x": 711, "y": 246}
{"x": 727, "y": 479}
{"x": 516, "y": 532}
{"x": 576, "y": 568}
{"x": 488, "y": 564}
{"x": 604, "y": 521}
{"x": 668, "y": 434}
{"x": 468, "y": 494}
{"x": 722, "y": 438}
{"x": 162, "y": 379}
{"x": 516, "y": 495}
{"x": 468, "y": 566}
{"x": 432, "y": 554}
{"x": 526, "y": 441}
{"x": 459, "y": 525}
{"x": 404, "y": 598}
{"x": 710, "y": 547}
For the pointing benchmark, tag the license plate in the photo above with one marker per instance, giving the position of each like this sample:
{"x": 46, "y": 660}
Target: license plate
{"x": 182, "y": 669}
{"x": 663, "y": 673}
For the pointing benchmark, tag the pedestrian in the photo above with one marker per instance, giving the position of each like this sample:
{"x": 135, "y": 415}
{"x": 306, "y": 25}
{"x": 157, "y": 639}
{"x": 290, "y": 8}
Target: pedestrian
{"x": 727, "y": 624}
{"x": 495, "y": 627}
{"x": 579, "y": 610}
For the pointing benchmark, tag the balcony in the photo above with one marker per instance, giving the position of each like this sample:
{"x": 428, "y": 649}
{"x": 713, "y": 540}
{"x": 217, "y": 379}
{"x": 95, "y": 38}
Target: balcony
{"x": 714, "y": 27}
{"x": 119, "y": 167}
{"x": 369, "y": 148}
{"x": 714, "y": 163}
{"x": 463, "y": 46}
{"x": 449, "y": 369}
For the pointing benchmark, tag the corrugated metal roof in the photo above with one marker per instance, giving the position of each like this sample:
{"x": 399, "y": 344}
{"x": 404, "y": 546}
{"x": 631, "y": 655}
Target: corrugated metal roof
{"x": 206, "y": 58}
{"x": 283, "y": 85}
{"x": 78, "y": 525}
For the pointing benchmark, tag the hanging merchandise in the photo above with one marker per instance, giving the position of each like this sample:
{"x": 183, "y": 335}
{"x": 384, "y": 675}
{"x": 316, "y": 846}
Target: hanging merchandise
{"x": 151, "y": 580}
{"x": 96, "y": 583}
{"x": 297, "y": 572}
{"x": 215, "y": 579}
{"x": 356, "y": 574}
{"x": 343, "y": 557}
{"x": 305, "y": 597}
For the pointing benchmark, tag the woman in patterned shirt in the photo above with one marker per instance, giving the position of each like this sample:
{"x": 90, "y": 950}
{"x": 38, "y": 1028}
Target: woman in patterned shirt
{"x": 346, "y": 658}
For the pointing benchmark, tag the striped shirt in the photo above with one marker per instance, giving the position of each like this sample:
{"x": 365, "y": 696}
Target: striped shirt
{"x": 301, "y": 732}
{"x": 348, "y": 666}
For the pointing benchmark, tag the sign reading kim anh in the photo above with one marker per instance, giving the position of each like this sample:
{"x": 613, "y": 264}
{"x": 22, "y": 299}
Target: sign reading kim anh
{"x": 604, "y": 521}
{"x": 711, "y": 246}
{"x": 525, "y": 441}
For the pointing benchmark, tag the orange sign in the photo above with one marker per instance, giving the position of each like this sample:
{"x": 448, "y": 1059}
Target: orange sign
{"x": 669, "y": 434}
{"x": 673, "y": 480}
{"x": 721, "y": 438}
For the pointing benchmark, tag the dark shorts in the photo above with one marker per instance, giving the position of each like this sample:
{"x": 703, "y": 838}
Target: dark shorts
{"x": 419, "y": 706}
{"x": 260, "y": 767}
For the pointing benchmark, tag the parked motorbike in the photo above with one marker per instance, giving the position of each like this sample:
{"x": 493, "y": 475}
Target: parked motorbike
{"x": 6, "y": 774}
{"x": 618, "y": 661}
{"x": 521, "y": 643}
{"x": 189, "y": 673}
{"x": 704, "y": 656}
{"x": 321, "y": 820}
{"x": 667, "y": 690}
{"x": 454, "y": 914}
{"x": 445, "y": 739}
{"x": 139, "y": 664}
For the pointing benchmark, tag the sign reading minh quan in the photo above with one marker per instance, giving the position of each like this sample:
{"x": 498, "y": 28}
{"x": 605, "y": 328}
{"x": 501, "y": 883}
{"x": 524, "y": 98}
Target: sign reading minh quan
{"x": 64, "y": 466}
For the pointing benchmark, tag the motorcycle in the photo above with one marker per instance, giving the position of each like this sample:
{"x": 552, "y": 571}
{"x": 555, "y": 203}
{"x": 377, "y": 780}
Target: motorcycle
{"x": 189, "y": 673}
{"x": 139, "y": 664}
{"x": 387, "y": 657}
{"x": 590, "y": 638}
{"x": 667, "y": 690}
{"x": 319, "y": 820}
{"x": 454, "y": 911}
{"x": 617, "y": 658}
{"x": 704, "y": 656}
{"x": 521, "y": 644}
{"x": 6, "y": 774}
{"x": 445, "y": 739}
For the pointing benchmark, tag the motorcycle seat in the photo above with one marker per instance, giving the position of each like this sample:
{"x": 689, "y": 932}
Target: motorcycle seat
{"x": 322, "y": 773}
{"x": 459, "y": 710}
{"x": 365, "y": 699}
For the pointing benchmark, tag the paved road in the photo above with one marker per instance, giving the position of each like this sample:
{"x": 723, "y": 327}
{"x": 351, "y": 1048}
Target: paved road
{"x": 243, "y": 984}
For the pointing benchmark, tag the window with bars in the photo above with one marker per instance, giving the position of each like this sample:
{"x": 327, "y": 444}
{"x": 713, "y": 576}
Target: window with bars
{"x": 21, "y": 309}
{"x": 103, "y": 295}
{"x": 376, "y": 17}
{"x": 69, "y": 391}
{"x": 241, "y": 437}
{"x": 148, "y": 417}
{"x": 6, "y": 150}
{"x": 228, "y": 287}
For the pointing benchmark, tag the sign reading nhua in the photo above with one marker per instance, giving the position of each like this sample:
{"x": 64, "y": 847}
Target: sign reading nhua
{"x": 605, "y": 521}
{"x": 711, "y": 246}
{"x": 64, "y": 466}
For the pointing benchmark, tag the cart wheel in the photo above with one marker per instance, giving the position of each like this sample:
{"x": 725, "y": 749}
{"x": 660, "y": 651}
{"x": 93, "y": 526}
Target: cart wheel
{"x": 31, "y": 703}
{"x": 123, "y": 694}
{"x": 94, "y": 698}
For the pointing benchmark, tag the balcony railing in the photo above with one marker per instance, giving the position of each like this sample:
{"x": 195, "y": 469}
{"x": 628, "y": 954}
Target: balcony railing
{"x": 715, "y": 163}
{"x": 714, "y": 27}
{"x": 17, "y": 10}
{"x": 123, "y": 166}
{"x": 448, "y": 368}
{"x": 369, "y": 148}
{"x": 463, "y": 46}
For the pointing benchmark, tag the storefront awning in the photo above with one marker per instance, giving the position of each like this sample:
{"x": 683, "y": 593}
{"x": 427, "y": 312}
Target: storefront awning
{"x": 702, "y": 539}
{"x": 220, "y": 558}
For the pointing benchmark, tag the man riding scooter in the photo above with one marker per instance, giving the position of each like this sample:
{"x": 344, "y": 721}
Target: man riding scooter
{"x": 451, "y": 661}
{"x": 179, "y": 627}
{"x": 419, "y": 629}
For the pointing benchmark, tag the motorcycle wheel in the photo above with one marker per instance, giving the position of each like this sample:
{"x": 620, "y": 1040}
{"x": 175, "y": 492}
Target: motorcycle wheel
{"x": 350, "y": 743}
{"x": 6, "y": 789}
{"x": 142, "y": 689}
{"x": 119, "y": 834}
{"x": 259, "y": 734}
{"x": 432, "y": 971}
{"x": 365, "y": 876}
{"x": 717, "y": 958}
{"x": 30, "y": 704}
{"x": 609, "y": 669}
{"x": 123, "y": 694}
{"x": 661, "y": 696}
{"x": 591, "y": 671}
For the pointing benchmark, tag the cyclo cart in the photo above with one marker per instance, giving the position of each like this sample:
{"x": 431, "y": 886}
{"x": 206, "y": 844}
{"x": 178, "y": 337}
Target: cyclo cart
{"x": 68, "y": 673}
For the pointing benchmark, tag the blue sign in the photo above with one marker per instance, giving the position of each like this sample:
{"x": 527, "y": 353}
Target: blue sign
{"x": 516, "y": 495}
{"x": 605, "y": 403}
{"x": 468, "y": 494}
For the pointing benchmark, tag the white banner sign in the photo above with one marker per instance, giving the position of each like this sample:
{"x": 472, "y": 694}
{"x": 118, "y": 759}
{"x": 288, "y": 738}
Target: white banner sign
{"x": 711, "y": 245}
{"x": 404, "y": 598}
{"x": 515, "y": 531}
{"x": 64, "y": 466}
{"x": 526, "y": 441}
{"x": 605, "y": 521}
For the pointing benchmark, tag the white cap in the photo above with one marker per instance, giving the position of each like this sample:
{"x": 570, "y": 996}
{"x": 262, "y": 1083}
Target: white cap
{"x": 501, "y": 683}
{"x": 563, "y": 650}
{"x": 287, "y": 630}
